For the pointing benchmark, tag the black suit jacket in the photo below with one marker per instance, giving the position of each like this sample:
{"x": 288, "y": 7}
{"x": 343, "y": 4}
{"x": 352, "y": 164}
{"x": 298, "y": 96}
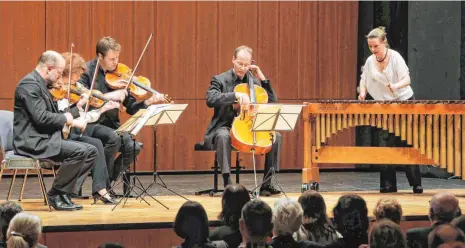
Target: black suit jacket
{"x": 221, "y": 97}
{"x": 418, "y": 237}
{"x": 230, "y": 235}
{"x": 37, "y": 122}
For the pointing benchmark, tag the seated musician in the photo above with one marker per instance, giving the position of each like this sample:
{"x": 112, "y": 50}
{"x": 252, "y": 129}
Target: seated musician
{"x": 106, "y": 153}
{"x": 37, "y": 130}
{"x": 385, "y": 76}
{"x": 221, "y": 97}
{"x": 108, "y": 51}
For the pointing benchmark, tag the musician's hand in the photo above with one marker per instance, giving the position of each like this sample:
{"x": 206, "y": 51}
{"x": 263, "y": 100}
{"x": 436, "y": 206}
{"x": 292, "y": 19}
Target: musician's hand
{"x": 69, "y": 118}
{"x": 242, "y": 98}
{"x": 392, "y": 87}
{"x": 79, "y": 123}
{"x": 109, "y": 105}
{"x": 82, "y": 101}
{"x": 362, "y": 96}
{"x": 257, "y": 72}
{"x": 154, "y": 99}
{"x": 117, "y": 95}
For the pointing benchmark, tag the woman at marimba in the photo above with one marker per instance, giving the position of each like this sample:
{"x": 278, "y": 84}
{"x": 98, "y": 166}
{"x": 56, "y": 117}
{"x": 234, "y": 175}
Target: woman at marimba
{"x": 385, "y": 76}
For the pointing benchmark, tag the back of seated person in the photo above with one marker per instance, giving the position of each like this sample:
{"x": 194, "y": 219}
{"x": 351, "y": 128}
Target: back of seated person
{"x": 316, "y": 225}
{"x": 8, "y": 210}
{"x": 24, "y": 231}
{"x": 386, "y": 233}
{"x": 191, "y": 224}
{"x": 351, "y": 220}
{"x": 388, "y": 208}
{"x": 256, "y": 224}
{"x": 444, "y": 207}
{"x": 445, "y": 235}
{"x": 235, "y": 196}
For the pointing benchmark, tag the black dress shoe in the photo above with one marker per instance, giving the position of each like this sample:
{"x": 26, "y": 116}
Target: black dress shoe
{"x": 57, "y": 202}
{"x": 417, "y": 189}
{"x": 388, "y": 190}
{"x": 112, "y": 194}
{"x": 66, "y": 198}
{"x": 269, "y": 190}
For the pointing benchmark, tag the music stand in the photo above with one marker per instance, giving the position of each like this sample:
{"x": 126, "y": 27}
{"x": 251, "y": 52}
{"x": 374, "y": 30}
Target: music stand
{"x": 168, "y": 114}
{"x": 273, "y": 117}
{"x": 132, "y": 127}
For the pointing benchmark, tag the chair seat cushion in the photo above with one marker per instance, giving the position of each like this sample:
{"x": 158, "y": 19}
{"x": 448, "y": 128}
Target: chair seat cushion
{"x": 10, "y": 156}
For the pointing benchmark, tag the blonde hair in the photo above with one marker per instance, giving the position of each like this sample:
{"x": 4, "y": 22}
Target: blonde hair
{"x": 78, "y": 66}
{"x": 24, "y": 231}
{"x": 380, "y": 33}
{"x": 242, "y": 48}
{"x": 287, "y": 216}
{"x": 388, "y": 208}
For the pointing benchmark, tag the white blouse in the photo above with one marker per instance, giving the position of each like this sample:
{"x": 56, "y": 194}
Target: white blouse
{"x": 376, "y": 82}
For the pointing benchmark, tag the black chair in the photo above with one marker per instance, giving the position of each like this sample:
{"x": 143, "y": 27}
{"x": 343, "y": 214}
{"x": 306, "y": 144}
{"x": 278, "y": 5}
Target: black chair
{"x": 200, "y": 147}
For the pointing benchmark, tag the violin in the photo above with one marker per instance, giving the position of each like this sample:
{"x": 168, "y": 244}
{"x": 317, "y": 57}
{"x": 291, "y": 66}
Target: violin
{"x": 139, "y": 88}
{"x": 96, "y": 98}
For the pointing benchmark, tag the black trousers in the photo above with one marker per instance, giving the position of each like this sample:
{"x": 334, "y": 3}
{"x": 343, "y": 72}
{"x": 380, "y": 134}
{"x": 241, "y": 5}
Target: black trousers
{"x": 222, "y": 144}
{"x": 112, "y": 143}
{"x": 388, "y": 172}
{"x": 77, "y": 160}
{"x": 100, "y": 179}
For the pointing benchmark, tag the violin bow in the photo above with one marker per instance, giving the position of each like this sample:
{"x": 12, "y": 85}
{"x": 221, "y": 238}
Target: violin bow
{"x": 140, "y": 58}
{"x": 69, "y": 76}
{"x": 90, "y": 90}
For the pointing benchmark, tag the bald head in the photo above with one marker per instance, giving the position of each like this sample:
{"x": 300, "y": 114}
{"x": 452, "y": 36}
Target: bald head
{"x": 443, "y": 207}
{"x": 51, "y": 59}
{"x": 445, "y": 234}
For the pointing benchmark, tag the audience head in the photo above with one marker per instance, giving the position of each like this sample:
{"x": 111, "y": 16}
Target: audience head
{"x": 8, "y": 210}
{"x": 445, "y": 235}
{"x": 287, "y": 217}
{"x": 459, "y": 222}
{"x": 388, "y": 208}
{"x": 314, "y": 207}
{"x": 387, "y": 234}
{"x": 351, "y": 216}
{"x": 444, "y": 207}
{"x": 256, "y": 221}
{"x": 191, "y": 223}
{"x": 24, "y": 231}
{"x": 235, "y": 196}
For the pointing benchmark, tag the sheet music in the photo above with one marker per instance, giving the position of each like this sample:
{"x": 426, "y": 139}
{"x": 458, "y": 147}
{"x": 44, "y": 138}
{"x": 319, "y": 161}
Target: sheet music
{"x": 149, "y": 112}
{"x": 276, "y": 117}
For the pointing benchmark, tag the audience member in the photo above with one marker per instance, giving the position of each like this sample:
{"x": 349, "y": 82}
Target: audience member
{"x": 8, "y": 210}
{"x": 443, "y": 208}
{"x": 24, "y": 231}
{"x": 316, "y": 225}
{"x": 388, "y": 208}
{"x": 446, "y": 235}
{"x": 351, "y": 220}
{"x": 387, "y": 234}
{"x": 235, "y": 196}
{"x": 287, "y": 219}
{"x": 256, "y": 224}
{"x": 191, "y": 224}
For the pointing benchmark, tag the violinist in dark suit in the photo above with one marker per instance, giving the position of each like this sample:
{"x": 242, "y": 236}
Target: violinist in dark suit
{"x": 108, "y": 50}
{"x": 224, "y": 100}
{"x": 37, "y": 130}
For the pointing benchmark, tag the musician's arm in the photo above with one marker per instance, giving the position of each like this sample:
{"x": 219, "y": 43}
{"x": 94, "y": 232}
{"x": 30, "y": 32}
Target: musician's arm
{"x": 216, "y": 98}
{"x": 132, "y": 106}
{"x": 266, "y": 84}
{"x": 402, "y": 72}
{"x": 36, "y": 107}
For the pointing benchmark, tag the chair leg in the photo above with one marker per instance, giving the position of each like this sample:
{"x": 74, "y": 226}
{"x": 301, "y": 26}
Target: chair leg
{"x": 44, "y": 189}
{"x": 215, "y": 174}
{"x": 41, "y": 187}
{"x": 238, "y": 167}
{"x": 11, "y": 184}
{"x": 1, "y": 172}
{"x": 23, "y": 186}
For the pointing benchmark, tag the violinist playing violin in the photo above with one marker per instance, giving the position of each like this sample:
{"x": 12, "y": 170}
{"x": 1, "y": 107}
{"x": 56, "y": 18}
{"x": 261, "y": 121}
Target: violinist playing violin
{"x": 107, "y": 51}
{"x": 225, "y": 101}
{"x": 37, "y": 130}
{"x": 106, "y": 148}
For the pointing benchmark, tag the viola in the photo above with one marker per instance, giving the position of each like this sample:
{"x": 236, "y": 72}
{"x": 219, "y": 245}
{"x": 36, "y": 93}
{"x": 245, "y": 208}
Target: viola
{"x": 96, "y": 98}
{"x": 139, "y": 87}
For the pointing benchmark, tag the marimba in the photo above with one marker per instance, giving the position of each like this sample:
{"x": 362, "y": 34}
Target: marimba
{"x": 435, "y": 129}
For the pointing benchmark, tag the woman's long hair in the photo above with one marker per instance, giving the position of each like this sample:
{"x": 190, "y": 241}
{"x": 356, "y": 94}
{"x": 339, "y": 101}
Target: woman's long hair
{"x": 24, "y": 231}
{"x": 191, "y": 224}
{"x": 235, "y": 196}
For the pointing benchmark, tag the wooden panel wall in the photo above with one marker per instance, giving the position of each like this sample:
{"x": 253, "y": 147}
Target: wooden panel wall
{"x": 307, "y": 49}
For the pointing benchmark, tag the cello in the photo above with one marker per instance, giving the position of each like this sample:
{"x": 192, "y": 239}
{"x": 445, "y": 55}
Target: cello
{"x": 243, "y": 138}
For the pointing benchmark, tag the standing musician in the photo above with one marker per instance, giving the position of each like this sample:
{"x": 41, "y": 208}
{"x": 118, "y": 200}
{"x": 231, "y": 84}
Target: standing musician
{"x": 37, "y": 130}
{"x": 108, "y": 55}
{"x": 386, "y": 77}
{"x": 106, "y": 153}
{"x": 225, "y": 101}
